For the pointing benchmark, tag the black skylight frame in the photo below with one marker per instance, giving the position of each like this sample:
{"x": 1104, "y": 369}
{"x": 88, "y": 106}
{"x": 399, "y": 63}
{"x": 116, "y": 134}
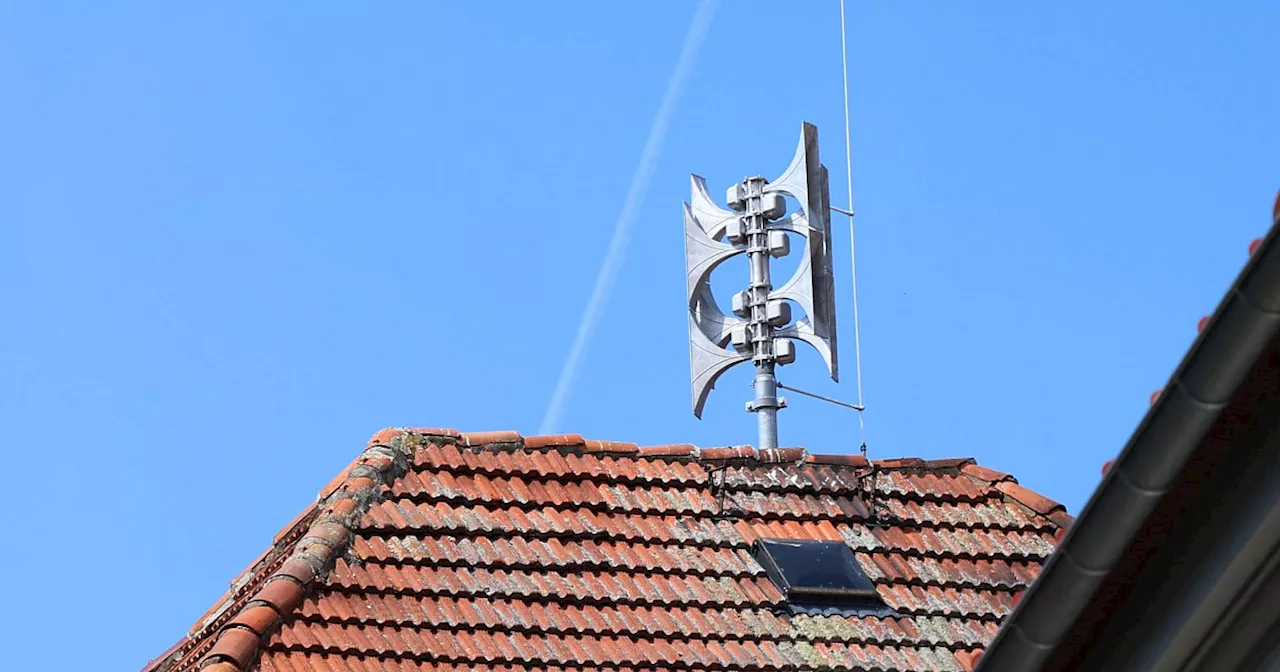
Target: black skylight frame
{"x": 817, "y": 573}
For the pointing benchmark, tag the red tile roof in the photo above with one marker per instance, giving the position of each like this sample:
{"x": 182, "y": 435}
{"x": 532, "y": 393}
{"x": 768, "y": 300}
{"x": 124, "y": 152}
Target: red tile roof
{"x": 443, "y": 551}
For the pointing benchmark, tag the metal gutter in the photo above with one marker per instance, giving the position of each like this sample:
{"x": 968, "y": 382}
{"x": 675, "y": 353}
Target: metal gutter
{"x": 1245, "y": 322}
{"x": 1188, "y": 600}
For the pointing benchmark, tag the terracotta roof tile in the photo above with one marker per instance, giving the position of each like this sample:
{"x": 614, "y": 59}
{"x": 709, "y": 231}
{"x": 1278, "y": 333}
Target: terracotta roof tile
{"x": 674, "y": 450}
{"x": 554, "y": 441}
{"x": 845, "y": 460}
{"x": 983, "y": 473}
{"x": 438, "y": 551}
{"x": 1041, "y": 505}
{"x": 491, "y": 438}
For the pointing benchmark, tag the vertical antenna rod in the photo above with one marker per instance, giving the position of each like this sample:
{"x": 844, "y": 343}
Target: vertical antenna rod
{"x": 853, "y": 254}
{"x": 760, "y": 328}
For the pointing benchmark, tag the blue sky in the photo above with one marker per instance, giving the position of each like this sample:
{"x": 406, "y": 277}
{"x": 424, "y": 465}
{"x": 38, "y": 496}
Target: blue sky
{"x": 237, "y": 239}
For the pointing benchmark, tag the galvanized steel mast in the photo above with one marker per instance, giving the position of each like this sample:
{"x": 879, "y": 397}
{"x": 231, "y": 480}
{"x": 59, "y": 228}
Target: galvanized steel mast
{"x": 757, "y": 209}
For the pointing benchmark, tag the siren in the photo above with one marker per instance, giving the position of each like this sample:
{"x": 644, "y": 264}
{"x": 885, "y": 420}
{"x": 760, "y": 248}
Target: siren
{"x": 759, "y": 326}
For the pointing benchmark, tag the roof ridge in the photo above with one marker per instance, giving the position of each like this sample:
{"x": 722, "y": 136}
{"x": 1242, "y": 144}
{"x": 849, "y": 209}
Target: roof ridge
{"x": 1031, "y": 500}
{"x": 1034, "y": 502}
{"x": 575, "y": 444}
{"x": 227, "y": 638}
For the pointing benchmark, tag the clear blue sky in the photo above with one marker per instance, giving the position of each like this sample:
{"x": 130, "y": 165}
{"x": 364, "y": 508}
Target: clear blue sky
{"x": 237, "y": 239}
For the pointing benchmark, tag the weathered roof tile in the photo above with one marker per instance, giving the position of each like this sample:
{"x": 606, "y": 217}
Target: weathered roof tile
{"x": 440, "y": 551}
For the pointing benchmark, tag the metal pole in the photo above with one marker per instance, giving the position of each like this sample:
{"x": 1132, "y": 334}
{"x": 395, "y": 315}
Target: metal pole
{"x": 765, "y": 405}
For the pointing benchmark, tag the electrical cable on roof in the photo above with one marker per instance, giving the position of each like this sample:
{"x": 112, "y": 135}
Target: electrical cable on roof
{"x": 853, "y": 257}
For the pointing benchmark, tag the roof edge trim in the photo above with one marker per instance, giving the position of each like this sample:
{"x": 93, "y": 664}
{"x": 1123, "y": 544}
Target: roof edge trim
{"x": 1203, "y": 384}
{"x": 230, "y": 636}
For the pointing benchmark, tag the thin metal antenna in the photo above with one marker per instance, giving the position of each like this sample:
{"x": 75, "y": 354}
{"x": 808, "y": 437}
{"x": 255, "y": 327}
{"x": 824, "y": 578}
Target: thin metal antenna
{"x": 760, "y": 328}
{"x": 853, "y": 256}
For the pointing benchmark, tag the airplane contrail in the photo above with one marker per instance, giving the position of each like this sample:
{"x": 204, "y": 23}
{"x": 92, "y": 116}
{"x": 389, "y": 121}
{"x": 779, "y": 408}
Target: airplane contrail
{"x": 630, "y": 208}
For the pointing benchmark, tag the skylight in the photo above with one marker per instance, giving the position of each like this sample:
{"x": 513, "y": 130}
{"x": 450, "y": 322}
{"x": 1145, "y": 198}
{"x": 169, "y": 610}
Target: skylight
{"x": 816, "y": 572}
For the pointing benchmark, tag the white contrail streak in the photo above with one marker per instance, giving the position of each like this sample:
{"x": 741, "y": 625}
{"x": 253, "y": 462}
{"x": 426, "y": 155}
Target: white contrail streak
{"x": 630, "y": 208}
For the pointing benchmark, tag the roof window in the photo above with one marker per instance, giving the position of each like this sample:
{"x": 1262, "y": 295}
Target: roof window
{"x": 816, "y": 573}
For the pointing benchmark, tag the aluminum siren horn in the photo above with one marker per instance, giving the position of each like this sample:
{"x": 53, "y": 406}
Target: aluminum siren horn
{"x": 760, "y": 328}
{"x": 812, "y": 286}
{"x": 709, "y": 327}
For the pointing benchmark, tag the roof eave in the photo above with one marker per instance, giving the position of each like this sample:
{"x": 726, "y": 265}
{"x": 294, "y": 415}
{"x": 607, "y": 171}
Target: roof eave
{"x": 1198, "y": 589}
{"x": 1229, "y": 347}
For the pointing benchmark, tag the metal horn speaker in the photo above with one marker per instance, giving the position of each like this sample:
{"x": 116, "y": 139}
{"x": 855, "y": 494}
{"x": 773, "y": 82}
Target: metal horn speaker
{"x": 812, "y": 286}
{"x": 709, "y": 327}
